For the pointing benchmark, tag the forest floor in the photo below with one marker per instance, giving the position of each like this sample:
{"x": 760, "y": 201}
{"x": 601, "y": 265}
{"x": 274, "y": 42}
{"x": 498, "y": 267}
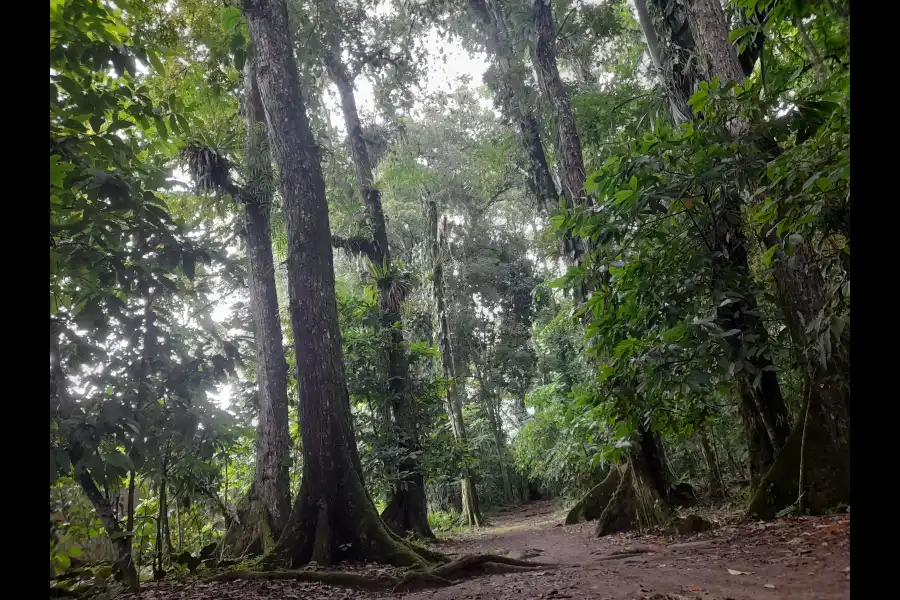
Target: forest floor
{"x": 793, "y": 557}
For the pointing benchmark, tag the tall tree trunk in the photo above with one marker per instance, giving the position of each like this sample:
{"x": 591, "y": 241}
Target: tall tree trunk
{"x": 471, "y": 509}
{"x": 512, "y": 94}
{"x": 333, "y": 518}
{"x": 264, "y": 512}
{"x": 568, "y": 144}
{"x": 407, "y": 509}
{"x": 802, "y": 294}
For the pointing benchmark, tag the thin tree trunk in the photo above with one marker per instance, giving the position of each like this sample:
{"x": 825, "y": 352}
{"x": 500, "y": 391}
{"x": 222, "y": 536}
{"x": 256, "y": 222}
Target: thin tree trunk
{"x": 713, "y": 476}
{"x": 178, "y": 524}
{"x": 68, "y": 408}
{"x": 333, "y": 518}
{"x": 407, "y": 509}
{"x": 158, "y": 570}
{"x": 129, "y": 511}
{"x": 495, "y": 422}
{"x": 471, "y": 508}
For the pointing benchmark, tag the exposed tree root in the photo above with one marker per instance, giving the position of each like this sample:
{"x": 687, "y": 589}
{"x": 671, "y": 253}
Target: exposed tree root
{"x": 352, "y": 580}
{"x": 440, "y": 576}
{"x": 825, "y": 483}
{"x": 635, "y": 504}
{"x": 618, "y": 555}
{"x": 591, "y": 506}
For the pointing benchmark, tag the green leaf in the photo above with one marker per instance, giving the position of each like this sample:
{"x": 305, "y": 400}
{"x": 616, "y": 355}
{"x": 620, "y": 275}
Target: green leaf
{"x": 230, "y": 16}
{"x": 157, "y": 64}
{"x": 621, "y": 196}
{"x": 58, "y": 171}
{"x": 74, "y": 551}
{"x": 698, "y": 100}
{"x": 119, "y": 125}
{"x": 119, "y": 460}
{"x": 674, "y": 334}
{"x": 161, "y": 127}
{"x": 739, "y": 32}
{"x": 767, "y": 256}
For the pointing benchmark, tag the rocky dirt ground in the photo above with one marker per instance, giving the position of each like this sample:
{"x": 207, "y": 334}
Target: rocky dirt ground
{"x": 793, "y": 557}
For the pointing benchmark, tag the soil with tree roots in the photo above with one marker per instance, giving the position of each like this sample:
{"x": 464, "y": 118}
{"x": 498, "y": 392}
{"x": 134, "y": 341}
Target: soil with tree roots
{"x": 793, "y": 557}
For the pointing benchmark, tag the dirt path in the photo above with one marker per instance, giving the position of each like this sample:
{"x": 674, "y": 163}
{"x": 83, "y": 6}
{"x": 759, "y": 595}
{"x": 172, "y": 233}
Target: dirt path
{"x": 796, "y": 558}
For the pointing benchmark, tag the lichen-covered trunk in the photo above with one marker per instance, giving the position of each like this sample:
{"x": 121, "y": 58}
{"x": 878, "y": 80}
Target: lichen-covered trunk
{"x": 664, "y": 23}
{"x": 264, "y": 512}
{"x": 333, "y": 517}
{"x": 471, "y": 507}
{"x": 568, "y": 144}
{"x": 826, "y": 413}
{"x": 407, "y": 509}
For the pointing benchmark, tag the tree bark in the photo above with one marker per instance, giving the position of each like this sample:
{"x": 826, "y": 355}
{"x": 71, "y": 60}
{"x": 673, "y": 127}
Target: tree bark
{"x": 714, "y": 477}
{"x": 675, "y": 31}
{"x": 333, "y": 518}
{"x": 568, "y": 144}
{"x": 264, "y": 512}
{"x": 802, "y": 295}
{"x": 471, "y": 509}
{"x": 407, "y": 509}
{"x": 513, "y": 94}
{"x": 490, "y": 403}
{"x": 651, "y": 463}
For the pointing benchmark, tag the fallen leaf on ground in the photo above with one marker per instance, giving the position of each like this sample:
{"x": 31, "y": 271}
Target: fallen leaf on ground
{"x": 733, "y": 572}
{"x": 695, "y": 588}
{"x": 836, "y": 528}
{"x": 770, "y": 586}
